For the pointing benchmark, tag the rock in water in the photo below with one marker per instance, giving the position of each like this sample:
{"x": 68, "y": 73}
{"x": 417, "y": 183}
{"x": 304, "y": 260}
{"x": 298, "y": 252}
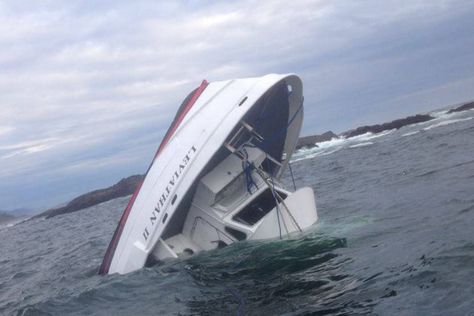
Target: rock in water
{"x": 310, "y": 141}
{"x": 419, "y": 118}
{"x": 464, "y": 107}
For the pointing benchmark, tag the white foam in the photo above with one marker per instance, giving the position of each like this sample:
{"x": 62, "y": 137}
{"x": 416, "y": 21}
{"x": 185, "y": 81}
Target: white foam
{"x": 361, "y": 145}
{"x": 440, "y": 113}
{"x": 332, "y": 142}
{"x": 368, "y": 136}
{"x": 314, "y": 154}
{"x": 410, "y": 133}
{"x": 445, "y": 115}
{"x": 447, "y": 122}
{"x": 336, "y": 144}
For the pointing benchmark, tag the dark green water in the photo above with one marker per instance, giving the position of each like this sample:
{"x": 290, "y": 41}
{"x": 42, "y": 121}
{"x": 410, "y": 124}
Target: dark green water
{"x": 395, "y": 237}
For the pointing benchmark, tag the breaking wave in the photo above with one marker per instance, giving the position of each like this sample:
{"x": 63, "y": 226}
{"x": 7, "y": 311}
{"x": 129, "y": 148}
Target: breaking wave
{"x": 447, "y": 122}
{"x": 336, "y": 144}
{"x": 410, "y": 133}
{"x": 361, "y": 145}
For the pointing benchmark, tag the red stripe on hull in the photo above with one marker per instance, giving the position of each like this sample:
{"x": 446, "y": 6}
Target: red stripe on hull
{"x": 104, "y": 268}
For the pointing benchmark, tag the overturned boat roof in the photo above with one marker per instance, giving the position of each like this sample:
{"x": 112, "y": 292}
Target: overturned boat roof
{"x": 203, "y": 123}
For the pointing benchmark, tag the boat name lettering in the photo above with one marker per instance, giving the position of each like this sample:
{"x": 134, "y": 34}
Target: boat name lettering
{"x": 168, "y": 189}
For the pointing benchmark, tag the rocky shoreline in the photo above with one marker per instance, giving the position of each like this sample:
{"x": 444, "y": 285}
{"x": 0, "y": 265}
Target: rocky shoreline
{"x": 313, "y": 140}
{"x": 396, "y": 124}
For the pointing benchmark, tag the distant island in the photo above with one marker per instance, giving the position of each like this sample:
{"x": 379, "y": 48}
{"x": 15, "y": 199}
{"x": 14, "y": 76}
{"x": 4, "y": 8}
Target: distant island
{"x": 128, "y": 185}
{"x": 122, "y": 188}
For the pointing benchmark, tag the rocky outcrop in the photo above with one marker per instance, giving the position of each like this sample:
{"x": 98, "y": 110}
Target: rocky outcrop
{"x": 419, "y": 118}
{"x": 310, "y": 141}
{"x": 122, "y": 188}
{"x": 464, "y": 107}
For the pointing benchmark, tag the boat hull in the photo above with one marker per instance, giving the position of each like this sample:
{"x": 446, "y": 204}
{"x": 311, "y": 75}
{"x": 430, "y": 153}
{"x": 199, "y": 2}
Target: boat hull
{"x": 197, "y": 138}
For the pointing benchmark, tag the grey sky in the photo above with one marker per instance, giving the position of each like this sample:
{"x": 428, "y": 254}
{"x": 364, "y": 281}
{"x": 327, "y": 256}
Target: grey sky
{"x": 87, "y": 90}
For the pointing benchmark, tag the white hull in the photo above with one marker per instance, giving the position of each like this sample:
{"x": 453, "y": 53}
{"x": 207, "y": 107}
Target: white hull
{"x": 175, "y": 212}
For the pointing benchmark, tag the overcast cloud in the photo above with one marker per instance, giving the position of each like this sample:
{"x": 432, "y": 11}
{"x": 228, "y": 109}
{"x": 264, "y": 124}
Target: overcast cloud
{"x": 87, "y": 90}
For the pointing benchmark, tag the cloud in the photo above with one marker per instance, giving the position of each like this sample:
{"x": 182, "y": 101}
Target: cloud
{"x": 92, "y": 86}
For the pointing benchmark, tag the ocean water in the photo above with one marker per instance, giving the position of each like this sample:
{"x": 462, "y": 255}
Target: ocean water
{"x": 395, "y": 237}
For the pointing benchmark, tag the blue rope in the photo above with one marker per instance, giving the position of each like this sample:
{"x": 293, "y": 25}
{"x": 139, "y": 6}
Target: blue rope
{"x": 247, "y": 169}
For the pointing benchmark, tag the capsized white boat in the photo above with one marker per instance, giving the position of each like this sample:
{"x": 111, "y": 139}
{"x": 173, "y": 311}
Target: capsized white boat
{"x": 215, "y": 178}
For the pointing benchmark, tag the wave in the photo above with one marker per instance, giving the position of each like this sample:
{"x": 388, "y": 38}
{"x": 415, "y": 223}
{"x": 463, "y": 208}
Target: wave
{"x": 441, "y": 118}
{"x": 410, "y": 133}
{"x": 369, "y": 135}
{"x": 444, "y": 114}
{"x": 440, "y": 114}
{"x": 314, "y": 154}
{"x": 336, "y": 144}
{"x": 361, "y": 145}
{"x": 447, "y": 122}
{"x": 332, "y": 142}
{"x": 322, "y": 149}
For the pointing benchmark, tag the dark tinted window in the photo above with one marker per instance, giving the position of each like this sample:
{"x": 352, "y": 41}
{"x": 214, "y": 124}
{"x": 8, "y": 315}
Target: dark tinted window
{"x": 257, "y": 209}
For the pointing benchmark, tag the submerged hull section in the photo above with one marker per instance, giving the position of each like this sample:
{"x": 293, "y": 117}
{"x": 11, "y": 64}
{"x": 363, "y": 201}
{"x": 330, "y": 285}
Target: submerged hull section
{"x": 180, "y": 208}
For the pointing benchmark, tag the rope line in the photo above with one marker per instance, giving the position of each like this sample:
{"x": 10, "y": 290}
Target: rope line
{"x": 292, "y": 177}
